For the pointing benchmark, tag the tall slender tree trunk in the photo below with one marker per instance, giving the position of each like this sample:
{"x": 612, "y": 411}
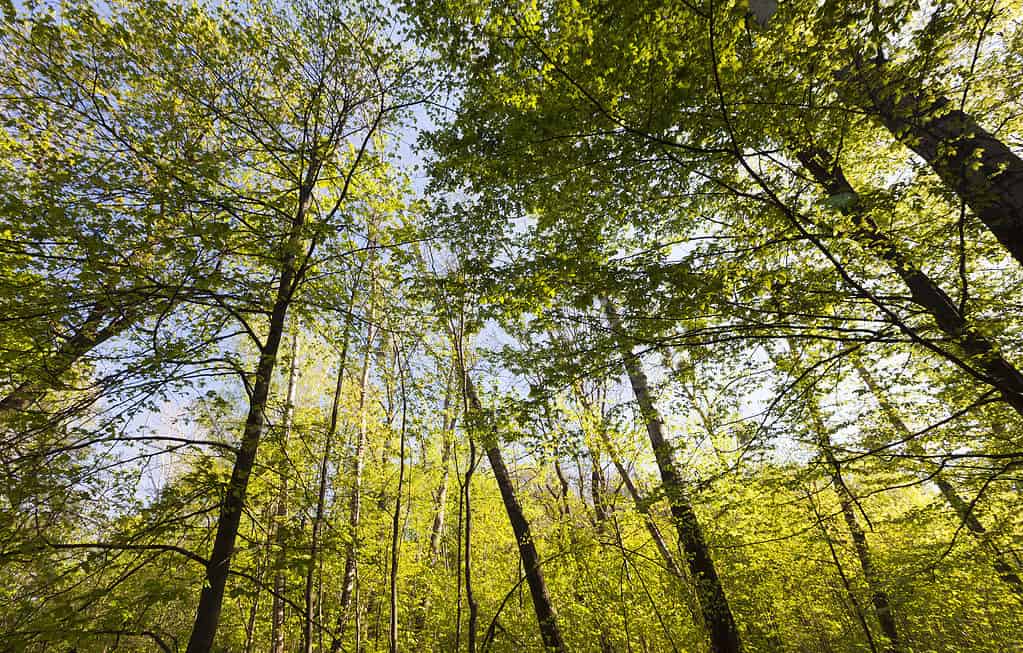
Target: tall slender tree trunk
{"x": 581, "y": 565}
{"x": 440, "y": 497}
{"x": 598, "y": 488}
{"x": 458, "y": 555}
{"x": 998, "y": 371}
{"x": 980, "y": 168}
{"x": 967, "y": 516}
{"x": 312, "y": 603}
{"x": 392, "y": 633}
{"x": 355, "y": 502}
{"x": 440, "y": 500}
{"x": 642, "y": 506}
{"x": 714, "y": 606}
{"x": 211, "y": 599}
{"x": 470, "y": 595}
{"x": 847, "y": 502}
{"x": 546, "y": 616}
{"x": 281, "y": 514}
{"x": 861, "y": 616}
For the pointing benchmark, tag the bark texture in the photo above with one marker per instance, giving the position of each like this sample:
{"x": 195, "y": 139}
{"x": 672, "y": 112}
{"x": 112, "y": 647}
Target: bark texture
{"x": 546, "y": 616}
{"x": 973, "y": 162}
{"x": 997, "y": 370}
{"x": 714, "y": 606}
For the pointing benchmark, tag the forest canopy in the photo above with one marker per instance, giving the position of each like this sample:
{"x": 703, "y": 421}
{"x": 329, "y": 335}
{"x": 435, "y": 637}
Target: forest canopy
{"x": 506, "y": 325}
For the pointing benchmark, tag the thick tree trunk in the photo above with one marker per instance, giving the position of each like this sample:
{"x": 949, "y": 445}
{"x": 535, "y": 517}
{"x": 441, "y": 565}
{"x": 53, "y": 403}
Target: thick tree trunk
{"x": 211, "y": 599}
{"x": 714, "y": 606}
{"x": 546, "y": 616}
{"x": 998, "y": 371}
{"x": 878, "y": 596}
{"x": 355, "y": 502}
{"x": 971, "y": 161}
{"x": 967, "y": 516}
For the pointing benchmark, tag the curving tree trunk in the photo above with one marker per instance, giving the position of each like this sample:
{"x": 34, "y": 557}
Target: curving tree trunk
{"x": 440, "y": 497}
{"x": 861, "y": 616}
{"x": 642, "y": 506}
{"x": 440, "y": 501}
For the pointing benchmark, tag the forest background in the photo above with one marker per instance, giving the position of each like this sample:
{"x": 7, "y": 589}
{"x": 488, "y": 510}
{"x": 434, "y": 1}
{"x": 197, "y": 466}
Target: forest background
{"x": 491, "y": 325}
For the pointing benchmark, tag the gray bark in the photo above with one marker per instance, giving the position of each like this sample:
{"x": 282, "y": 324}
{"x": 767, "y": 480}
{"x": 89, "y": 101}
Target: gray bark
{"x": 714, "y": 606}
{"x": 546, "y": 616}
{"x": 998, "y": 371}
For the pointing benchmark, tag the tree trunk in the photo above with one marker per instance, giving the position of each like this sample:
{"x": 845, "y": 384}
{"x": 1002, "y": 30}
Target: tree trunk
{"x": 470, "y": 596}
{"x": 598, "y": 489}
{"x": 281, "y": 514}
{"x": 458, "y": 552}
{"x": 355, "y": 502}
{"x": 714, "y": 606}
{"x": 321, "y": 490}
{"x": 440, "y": 497}
{"x": 847, "y": 502}
{"x": 546, "y": 616}
{"x": 980, "y": 168}
{"x": 211, "y": 599}
{"x": 651, "y": 526}
{"x": 262, "y": 564}
{"x": 999, "y": 372}
{"x": 967, "y": 516}
{"x": 392, "y": 633}
{"x": 440, "y": 500}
